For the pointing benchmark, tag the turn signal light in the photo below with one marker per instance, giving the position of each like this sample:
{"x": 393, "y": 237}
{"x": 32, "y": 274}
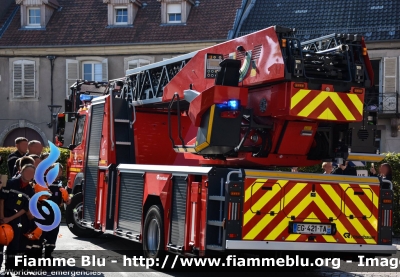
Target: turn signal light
{"x": 358, "y": 90}
{"x": 387, "y": 201}
{"x": 235, "y": 193}
{"x": 231, "y": 236}
{"x": 283, "y": 42}
{"x": 364, "y": 51}
{"x": 299, "y": 85}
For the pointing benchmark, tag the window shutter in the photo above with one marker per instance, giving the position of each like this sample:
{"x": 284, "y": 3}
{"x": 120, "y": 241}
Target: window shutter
{"x": 29, "y": 79}
{"x": 72, "y": 72}
{"x": 174, "y": 8}
{"x": 143, "y": 62}
{"x": 17, "y": 82}
{"x": 389, "y": 83}
{"x": 104, "y": 70}
{"x": 133, "y": 64}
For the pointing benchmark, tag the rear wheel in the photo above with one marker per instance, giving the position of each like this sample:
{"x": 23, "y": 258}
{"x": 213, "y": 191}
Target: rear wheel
{"x": 73, "y": 216}
{"x": 153, "y": 234}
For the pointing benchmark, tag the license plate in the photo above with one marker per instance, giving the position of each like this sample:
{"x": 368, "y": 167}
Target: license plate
{"x": 300, "y": 228}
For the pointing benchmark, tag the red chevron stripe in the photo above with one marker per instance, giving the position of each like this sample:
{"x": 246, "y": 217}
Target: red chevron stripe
{"x": 304, "y": 102}
{"x": 353, "y": 207}
{"x": 281, "y": 215}
{"x": 328, "y": 103}
{"x": 306, "y": 212}
{"x": 365, "y": 199}
{"x": 275, "y": 200}
{"x": 350, "y": 105}
{"x": 334, "y": 208}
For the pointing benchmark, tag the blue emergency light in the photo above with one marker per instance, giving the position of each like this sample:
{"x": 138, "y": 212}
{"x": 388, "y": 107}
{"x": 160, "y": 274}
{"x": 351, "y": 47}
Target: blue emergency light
{"x": 85, "y": 97}
{"x": 233, "y": 104}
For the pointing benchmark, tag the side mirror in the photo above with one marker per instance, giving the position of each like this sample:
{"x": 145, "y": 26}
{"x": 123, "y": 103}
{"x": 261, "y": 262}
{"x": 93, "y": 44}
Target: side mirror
{"x": 71, "y": 147}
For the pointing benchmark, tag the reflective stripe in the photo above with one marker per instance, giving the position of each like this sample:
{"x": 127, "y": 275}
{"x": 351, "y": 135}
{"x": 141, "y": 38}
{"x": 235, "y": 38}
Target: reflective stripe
{"x": 36, "y": 246}
{"x": 18, "y": 192}
{"x": 5, "y": 191}
{"x": 50, "y": 245}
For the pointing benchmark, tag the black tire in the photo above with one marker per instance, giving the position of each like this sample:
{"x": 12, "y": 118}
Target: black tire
{"x": 74, "y": 212}
{"x": 153, "y": 234}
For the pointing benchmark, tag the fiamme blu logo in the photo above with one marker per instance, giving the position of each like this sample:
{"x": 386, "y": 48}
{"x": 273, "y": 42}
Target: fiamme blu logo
{"x": 48, "y": 211}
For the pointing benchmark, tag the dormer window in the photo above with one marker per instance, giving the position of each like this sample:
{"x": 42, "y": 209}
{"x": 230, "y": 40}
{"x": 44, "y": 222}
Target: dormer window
{"x": 34, "y": 17}
{"x": 175, "y": 11}
{"x": 36, "y": 14}
{"x": 121, "y": 15}
{"x": 122, "y": 12}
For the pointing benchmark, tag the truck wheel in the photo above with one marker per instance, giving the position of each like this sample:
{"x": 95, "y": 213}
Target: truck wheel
{"x": 73, "y": 214}
{"x": 153, "y": 234}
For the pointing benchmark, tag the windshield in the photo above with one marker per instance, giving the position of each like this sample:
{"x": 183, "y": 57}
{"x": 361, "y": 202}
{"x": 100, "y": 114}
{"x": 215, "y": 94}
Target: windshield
{"x": 80, "y": 123}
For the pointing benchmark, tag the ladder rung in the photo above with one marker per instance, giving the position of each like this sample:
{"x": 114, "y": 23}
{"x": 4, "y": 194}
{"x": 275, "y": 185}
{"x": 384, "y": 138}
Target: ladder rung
{"x": 121, "y": 120}
{"x": 216, "y": 198}
{"x": 122, "y": 143}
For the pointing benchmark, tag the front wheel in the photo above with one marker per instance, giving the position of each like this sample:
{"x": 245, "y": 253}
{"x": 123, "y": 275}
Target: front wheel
{"x": 73, "y": 216}
{"x": 153, "y": 233}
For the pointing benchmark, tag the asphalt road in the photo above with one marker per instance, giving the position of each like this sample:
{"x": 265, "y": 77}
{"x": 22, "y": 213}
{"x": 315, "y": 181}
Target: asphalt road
{"x": 107, "y": 246}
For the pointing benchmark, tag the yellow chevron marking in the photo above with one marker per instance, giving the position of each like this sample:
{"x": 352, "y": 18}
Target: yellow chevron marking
{"x": 298, "y": 97}
{"x": 273, "y": 235}
{"x": 264, "y": 200}
{"x": 251, "y": 188}
{"x": 327, "y": 115}
{"x": 373, "y": 197}
{"x": 339, "y": 226}
{"x": 265, "y": 220}
{"x": 292, "y": 237}
{"x": 328, "y": 213}
{"x": 361, "y": 206}
{"x": 314, "y": 104}
{"x": 356, "y": 101}
{"x": 341, "y": 106}
{"x": 355, "y": 222}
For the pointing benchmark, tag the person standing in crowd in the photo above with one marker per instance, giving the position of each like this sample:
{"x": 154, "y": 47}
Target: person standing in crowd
{"x": 345, "y": 169}
{"x": 36, "y": 158}
{"x": 14, "y": 209}
{"x": 22, "y": 147}
{"x": 327, "y": 167}
{"x": 20, "y": 163}
{"x": 44, "y": 156}
{"x": 385, "y": 171}
{"x": 295, "y": 169}
{"x": 35, "y": 147}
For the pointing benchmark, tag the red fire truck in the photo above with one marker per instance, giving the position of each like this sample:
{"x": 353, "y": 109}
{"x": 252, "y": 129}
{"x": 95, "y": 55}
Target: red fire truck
{"x": 183, "y": 155}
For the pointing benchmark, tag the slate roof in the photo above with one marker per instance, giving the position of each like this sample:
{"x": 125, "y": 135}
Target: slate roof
{"x": 84, "y": 22}
{"x": 374, "y": 19}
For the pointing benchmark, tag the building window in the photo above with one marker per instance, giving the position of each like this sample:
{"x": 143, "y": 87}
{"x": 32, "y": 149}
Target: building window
{"x": 92, "y": 71}
{"x": 24, "y": 79}
{"x": 34, "y": 17}
{"x": 86, "y": 68}
{"x": 174, "y": 13}
{"x": 137, "y": 63}
{"x": 121, "y": 15}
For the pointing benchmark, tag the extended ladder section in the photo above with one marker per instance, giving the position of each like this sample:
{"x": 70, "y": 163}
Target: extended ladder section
{"x": 145, "y": 84}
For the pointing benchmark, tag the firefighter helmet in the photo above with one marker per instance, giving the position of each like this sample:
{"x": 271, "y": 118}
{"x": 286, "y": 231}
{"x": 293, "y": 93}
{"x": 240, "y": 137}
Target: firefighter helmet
{"x": 39, "y": 188}
{"x": 35, "y": 234}
{"x": 6, "y": 234}
{"x": 64, "y": 194}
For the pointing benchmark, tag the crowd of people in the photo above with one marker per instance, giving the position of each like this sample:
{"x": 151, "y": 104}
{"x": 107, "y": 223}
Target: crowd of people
{"x": 384, "y": 171}
{"x": 27, "y": 238}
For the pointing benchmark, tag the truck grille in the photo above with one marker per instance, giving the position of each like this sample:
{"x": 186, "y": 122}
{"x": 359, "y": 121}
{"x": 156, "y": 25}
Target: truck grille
{"x": 130, "y": 202}
{"x": 92, "y": 162}
{"x": 178, "y": 211}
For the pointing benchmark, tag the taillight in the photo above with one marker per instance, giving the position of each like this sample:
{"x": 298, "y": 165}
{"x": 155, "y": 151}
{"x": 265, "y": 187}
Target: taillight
{"x": 387, "y": 218}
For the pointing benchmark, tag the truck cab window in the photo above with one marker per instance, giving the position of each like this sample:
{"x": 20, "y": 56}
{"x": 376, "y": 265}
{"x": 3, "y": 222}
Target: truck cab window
{"x": 80, "y": 123}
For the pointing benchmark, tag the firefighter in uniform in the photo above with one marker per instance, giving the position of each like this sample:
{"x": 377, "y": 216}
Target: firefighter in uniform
{"x": 14, "y": 210}
{"x": 22, "y": 147}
